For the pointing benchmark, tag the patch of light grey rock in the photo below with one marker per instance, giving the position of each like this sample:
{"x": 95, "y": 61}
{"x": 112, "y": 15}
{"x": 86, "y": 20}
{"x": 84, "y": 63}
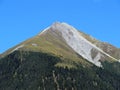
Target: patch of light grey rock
{"x": 44, "y": 31}
{"x": 78, "y": 43}
{"x": 119, "y": 61}
{"x": 17, "y": 48}
{"x": 33, "y": 44}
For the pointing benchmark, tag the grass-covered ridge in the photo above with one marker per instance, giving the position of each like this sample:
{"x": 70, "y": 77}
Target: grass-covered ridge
{"x": 54, "y": 44}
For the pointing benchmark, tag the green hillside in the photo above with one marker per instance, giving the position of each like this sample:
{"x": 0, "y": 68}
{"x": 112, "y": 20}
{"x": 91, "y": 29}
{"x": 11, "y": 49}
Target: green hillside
{"x": 55, "y": 45}
{"x": 38, "y": 71}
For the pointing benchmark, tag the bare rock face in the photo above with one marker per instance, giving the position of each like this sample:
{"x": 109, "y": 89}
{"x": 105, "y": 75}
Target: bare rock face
{"x": 79, "y": 43}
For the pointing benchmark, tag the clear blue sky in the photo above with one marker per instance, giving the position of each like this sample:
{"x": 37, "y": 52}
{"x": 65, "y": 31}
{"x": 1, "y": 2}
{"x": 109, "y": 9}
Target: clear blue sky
{"x": 22, "y": 19}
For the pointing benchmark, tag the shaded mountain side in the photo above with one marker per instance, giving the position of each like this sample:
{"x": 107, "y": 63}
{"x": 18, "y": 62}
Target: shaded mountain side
{"x": 23, "y": 70}
{"x": 108, "y": 48}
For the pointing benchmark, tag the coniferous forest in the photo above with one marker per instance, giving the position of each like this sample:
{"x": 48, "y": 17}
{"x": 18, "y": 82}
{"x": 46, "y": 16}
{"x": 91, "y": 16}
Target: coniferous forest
{"x": 37, "y": 71}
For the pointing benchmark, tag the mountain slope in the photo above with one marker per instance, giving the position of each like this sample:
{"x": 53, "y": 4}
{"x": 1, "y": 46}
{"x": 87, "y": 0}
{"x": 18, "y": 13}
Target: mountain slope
{"x": 64, "y": 40}
{"x": 106, "y": 47}
{"x": 51, "y": 42}
{"x": 60, "y": 58}
{"x": 37, "y": 71}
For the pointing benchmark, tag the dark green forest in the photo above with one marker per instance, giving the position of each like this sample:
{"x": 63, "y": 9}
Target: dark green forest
{"x": 37, "y": 71}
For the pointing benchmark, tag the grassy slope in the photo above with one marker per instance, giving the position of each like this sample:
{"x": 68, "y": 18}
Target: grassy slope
{"x": 51, "y": 42}
{"x": 55, "y": 45}
{"x": 48, "y": 43}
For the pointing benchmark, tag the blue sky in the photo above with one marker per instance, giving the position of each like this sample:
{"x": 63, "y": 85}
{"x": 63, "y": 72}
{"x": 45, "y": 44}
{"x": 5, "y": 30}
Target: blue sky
{"x": 22, "y": 19}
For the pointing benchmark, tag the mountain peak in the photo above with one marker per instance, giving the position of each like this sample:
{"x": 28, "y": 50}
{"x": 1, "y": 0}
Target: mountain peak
{"x": 78, "y": 43}
{"x": 62, "y": 36}
{"x": 59, "y": 58}
{"x": 57, "y": 26}
{"x": 59, "y": 23}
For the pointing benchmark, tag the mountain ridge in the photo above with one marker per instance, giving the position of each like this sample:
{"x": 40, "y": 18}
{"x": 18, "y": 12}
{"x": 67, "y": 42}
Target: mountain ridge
{"x": 66, "y": 26}
{"x": 105, "y": 46}
{"x": 60, "y": 58}
{"x": 67, "y": 35}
